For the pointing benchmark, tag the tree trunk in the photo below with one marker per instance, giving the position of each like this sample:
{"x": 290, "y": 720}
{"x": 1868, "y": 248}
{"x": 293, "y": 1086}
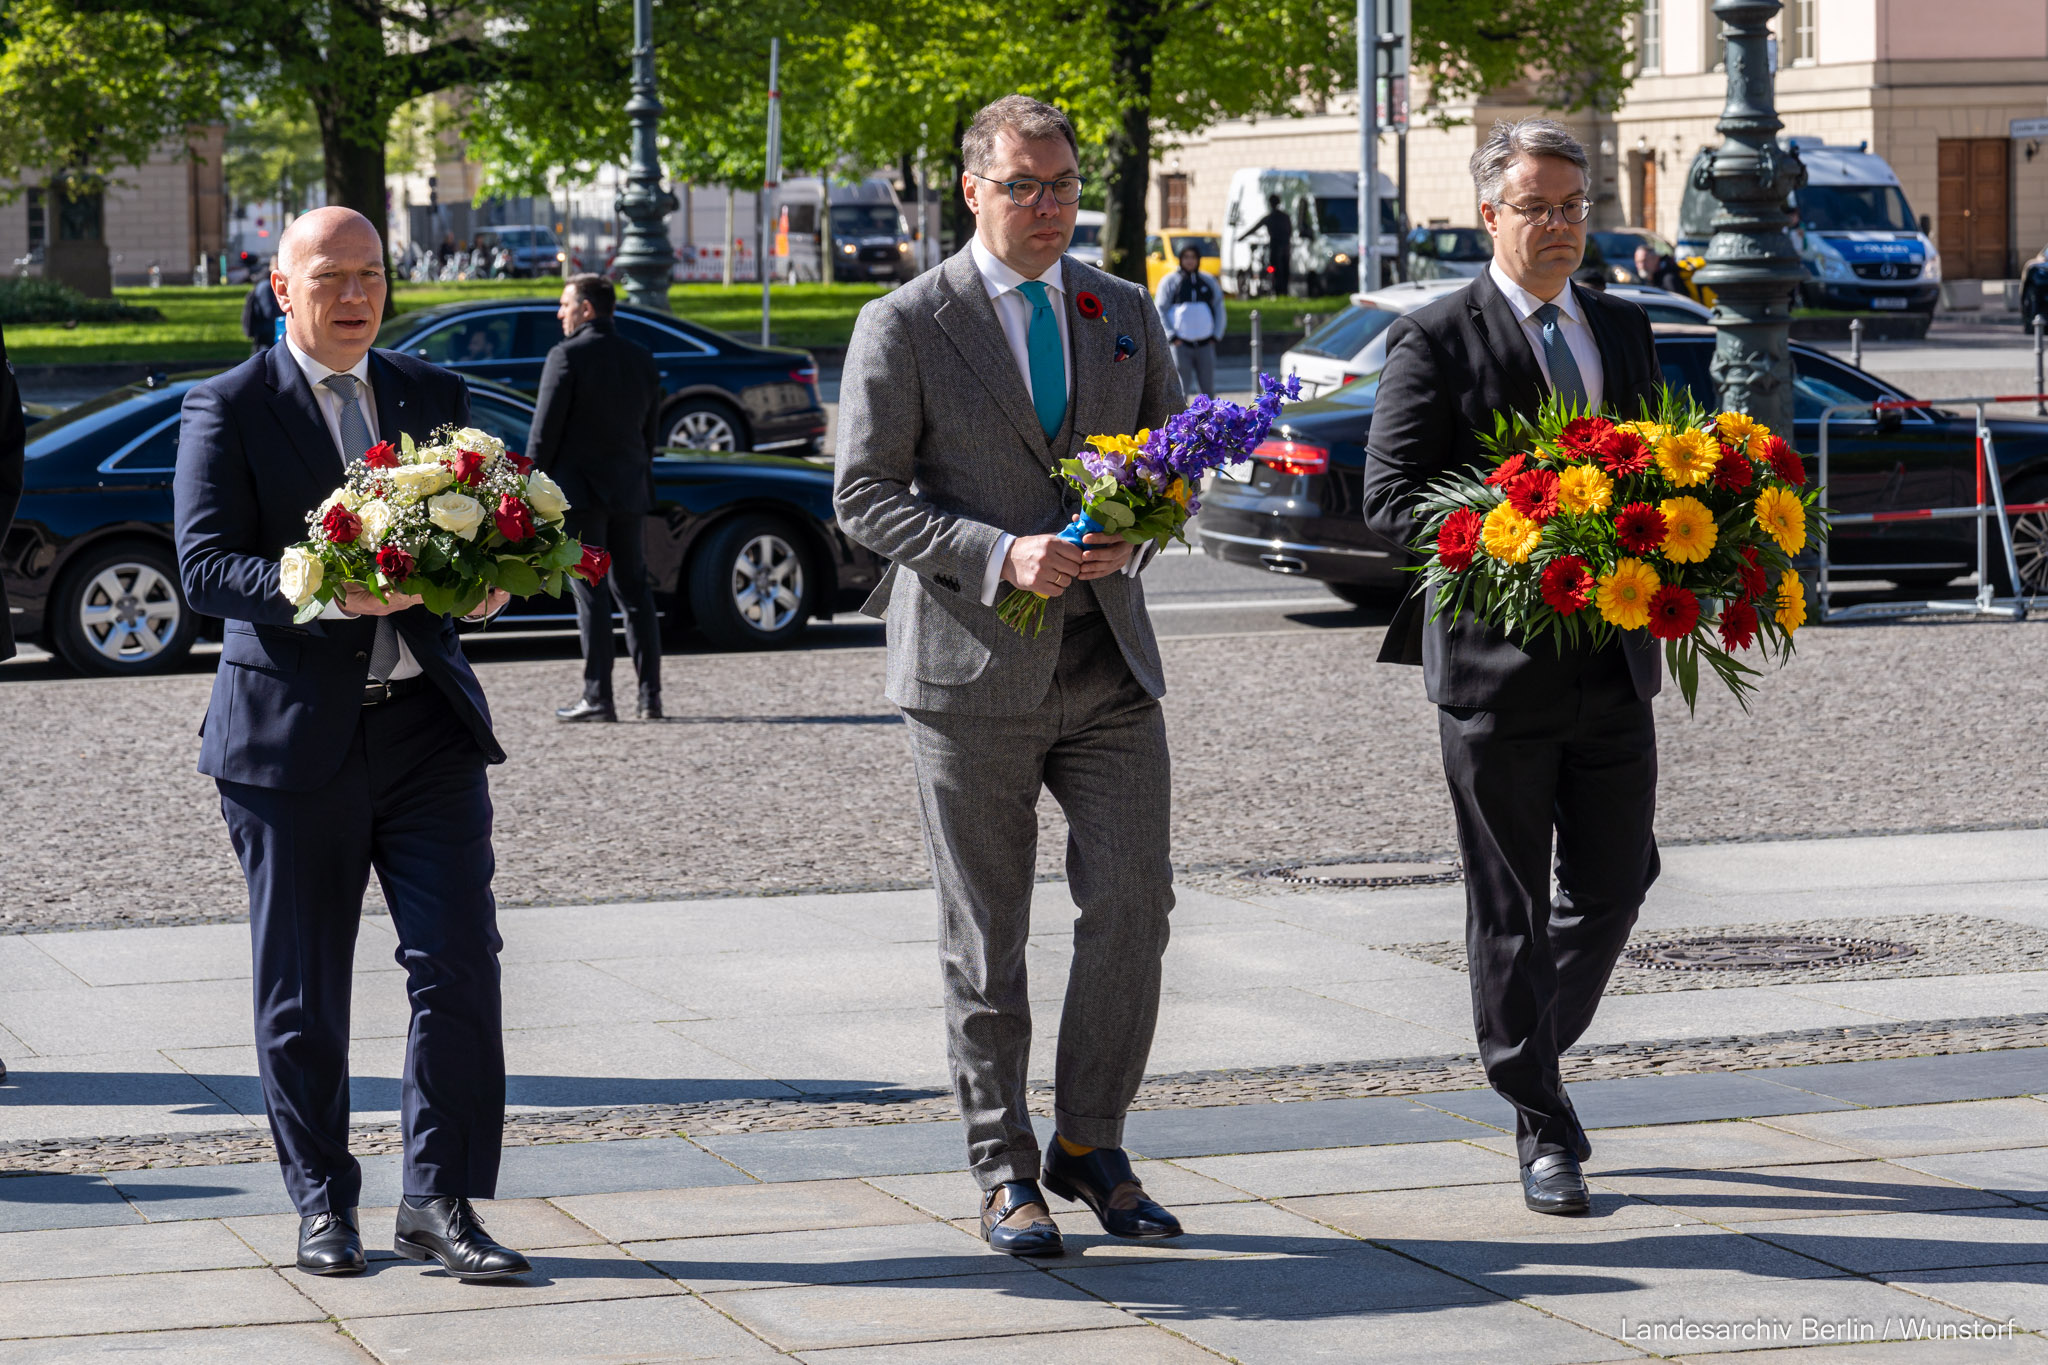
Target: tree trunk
{"x": 355, "y": 117}
{"x": 1136, "y": 28}
{"x": 959, "y": 219}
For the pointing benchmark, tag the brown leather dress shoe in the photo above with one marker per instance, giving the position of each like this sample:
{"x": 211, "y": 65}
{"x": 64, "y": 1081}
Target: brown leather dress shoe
{"x": 1015, "y": 1221}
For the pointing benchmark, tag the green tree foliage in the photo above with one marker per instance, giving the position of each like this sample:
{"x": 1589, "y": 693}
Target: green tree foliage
{"x": 273, "y": 151}
{"x": 1572, "y": 54}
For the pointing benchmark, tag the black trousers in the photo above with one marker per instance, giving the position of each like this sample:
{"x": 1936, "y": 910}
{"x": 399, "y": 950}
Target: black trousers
{"x": 411, "y": 802}
{"x": 1582, "y": 766}
{"x": 624, "y": 536}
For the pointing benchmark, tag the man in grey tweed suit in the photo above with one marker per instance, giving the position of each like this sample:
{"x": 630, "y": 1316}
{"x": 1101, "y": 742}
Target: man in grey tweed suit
{"x": 961, "y": 392}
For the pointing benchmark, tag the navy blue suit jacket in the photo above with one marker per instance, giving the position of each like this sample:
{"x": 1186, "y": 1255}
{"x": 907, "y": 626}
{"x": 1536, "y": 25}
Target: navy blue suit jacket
{"x": 254, "y": 456}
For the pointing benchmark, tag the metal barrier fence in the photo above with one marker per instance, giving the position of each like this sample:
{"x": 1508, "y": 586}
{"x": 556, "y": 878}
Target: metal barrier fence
{"x": 1990, "y": 504}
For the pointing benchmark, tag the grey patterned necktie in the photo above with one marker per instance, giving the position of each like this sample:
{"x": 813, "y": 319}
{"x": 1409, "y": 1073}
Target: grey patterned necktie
{"x": 1565, "y": 379}
{"x": 355, "y": 439}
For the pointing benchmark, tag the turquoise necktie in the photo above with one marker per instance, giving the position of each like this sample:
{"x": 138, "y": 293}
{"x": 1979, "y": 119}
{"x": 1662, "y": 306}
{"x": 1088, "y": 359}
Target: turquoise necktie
{"x": 1048, "y": 364}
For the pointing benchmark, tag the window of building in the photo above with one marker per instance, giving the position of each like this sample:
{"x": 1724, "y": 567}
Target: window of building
{"x": 1173, "y": 200}
{"x": 1802, "y": 17}
{"x": 1650, "y": 38}
{"x": 38, "y": 225}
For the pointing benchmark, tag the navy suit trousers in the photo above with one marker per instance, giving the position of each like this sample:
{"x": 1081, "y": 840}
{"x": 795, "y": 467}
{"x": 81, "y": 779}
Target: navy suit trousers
{"x": 411, "y": 803}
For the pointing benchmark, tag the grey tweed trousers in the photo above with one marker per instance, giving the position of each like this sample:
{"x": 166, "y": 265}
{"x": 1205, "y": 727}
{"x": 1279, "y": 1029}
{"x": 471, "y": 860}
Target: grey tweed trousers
{"x": 1098, "y": 744}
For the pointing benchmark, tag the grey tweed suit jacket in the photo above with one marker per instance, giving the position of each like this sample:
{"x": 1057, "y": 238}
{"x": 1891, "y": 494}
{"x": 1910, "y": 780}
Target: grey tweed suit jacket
{"x": 940, "y": 453}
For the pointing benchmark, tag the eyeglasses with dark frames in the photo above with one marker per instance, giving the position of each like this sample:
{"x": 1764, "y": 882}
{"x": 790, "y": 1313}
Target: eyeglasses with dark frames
{"x": 1025, "y": 194}
{"x": 1573, "y": 211}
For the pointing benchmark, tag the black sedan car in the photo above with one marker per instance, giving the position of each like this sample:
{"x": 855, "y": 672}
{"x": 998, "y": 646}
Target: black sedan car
{"x": 723, "y": 394}
{"x": 1296, "y": 509}
{"x": 742, "y": 547}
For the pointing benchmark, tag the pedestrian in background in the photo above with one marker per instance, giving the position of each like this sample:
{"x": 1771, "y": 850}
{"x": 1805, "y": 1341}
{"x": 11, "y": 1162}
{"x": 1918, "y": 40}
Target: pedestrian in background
{"x": 1658, "y": 270}
{"x": 1279, "y": 230}
{"x": 1191, "y": 303}
{"x": 594, "y": 433}
{"x": 13, "y": 470}
{"x": 262, "y": 319}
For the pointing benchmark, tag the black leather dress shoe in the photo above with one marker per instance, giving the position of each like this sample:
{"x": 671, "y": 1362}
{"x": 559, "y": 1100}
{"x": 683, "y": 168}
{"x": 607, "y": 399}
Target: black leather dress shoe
{"x": 1103, "y": 1180}
{"x": 3, "y": 1073}
{"x": 1554, "y": 1184}
{"x": 1015, "y": 1221}
{"x": 650, "y": 708}
{"x": 329, "y": 1244}
{"x": 586, "y": 710}
{"x": 448, "y": 1231}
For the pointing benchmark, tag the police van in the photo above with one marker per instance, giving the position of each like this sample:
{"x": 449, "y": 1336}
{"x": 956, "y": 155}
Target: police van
{"x": 1861, "y": 245}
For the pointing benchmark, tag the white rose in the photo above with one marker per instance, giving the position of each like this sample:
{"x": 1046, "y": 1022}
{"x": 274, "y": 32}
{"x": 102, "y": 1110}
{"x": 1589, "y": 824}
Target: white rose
{"x": 298, "y": 575}
{"x": 341, "y": 497}
{"x": 417, "y": 481}
{"x": 377, "y": 516}
{"x": 544, "y": 495}
{"x": 456, "y": 513}
{"x": 482, "y": 442}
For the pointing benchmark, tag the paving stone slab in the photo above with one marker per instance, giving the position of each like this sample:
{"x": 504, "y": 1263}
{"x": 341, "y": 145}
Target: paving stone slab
{"x": 1215, "y": 1131}
{"x": 1928, "y": 1129}
{"x": 309, "y": 1344}
{"x": 1345, "y": 1170}
{"x": 149, "y": 1303}
{"x": 148, "y": 1248}
{"x": 1997, "y": 1350}
{"x": 978, "y": 1306}
{"x": 742, "y": 984}
{"x": 566, "y": 1275}
{"x": 1344, "y": 1276}
{"x": 573, "y": 1168}
{"x": 1876, "y": 1244}
{"x": 1459, "y": 1334}
{"x": 663, "y": 1329}
{"x": 927, "y": 1249}
{"x": 31, "y": 1202}
{"x": 1213, "y": 1232}
{"x": 736, "y": 1210}
{"x": 839, "y": 1153}
{"x": 2006, "y": 1293}
{"x": 108, "y": 1094}
{"x": 1137, "y": 1344}
{"x": 527, "y": 1224}
{"x": 1689, "y": 1261}
{"x": 1784, "y": 1192}
{"x": 953, "y": 1195}
{"x": 1920, "y": 1080}
{"x": 1637, "y": 1101}
{"x": 24, "y": 966}
{"x": 1476, "y": 1211}
{"x": 2019, "y": 1173}
{"x": 1695, "y": 1146}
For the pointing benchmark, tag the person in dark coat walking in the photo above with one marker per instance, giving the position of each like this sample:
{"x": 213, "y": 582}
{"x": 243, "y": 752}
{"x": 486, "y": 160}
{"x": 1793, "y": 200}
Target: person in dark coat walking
{"x": 13, "y": 470}
{"x": 594, "y": 433}
{"x": 262, "y": 319}
{"x": 1279, "y": 230}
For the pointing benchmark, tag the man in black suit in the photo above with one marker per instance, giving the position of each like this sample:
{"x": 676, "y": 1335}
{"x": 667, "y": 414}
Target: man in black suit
{"x": 1535, "y": 738}
{"x": 1279, "y": 230}
{"x": 260, "y": 315}
{"x": 356, "y": 742}
{"x": 13, "y": 470}
{"x": 594, "y": 432}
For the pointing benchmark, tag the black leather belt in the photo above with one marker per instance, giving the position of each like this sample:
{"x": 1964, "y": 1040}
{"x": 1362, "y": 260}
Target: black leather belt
{"x": 1205, "y": 341}
{"x": 377, "y": 693}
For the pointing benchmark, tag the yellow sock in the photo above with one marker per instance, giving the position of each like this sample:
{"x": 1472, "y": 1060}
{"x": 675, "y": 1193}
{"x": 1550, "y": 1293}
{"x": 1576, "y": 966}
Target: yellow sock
{"x": 1071, "y": 1148}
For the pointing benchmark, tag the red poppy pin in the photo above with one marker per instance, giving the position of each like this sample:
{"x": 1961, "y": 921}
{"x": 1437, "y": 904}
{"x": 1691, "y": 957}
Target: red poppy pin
{"x": 1087, "y": 305}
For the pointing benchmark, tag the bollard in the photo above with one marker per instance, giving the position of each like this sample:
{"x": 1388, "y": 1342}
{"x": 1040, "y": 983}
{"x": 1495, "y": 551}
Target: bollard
{"x": 2040, "y": 325}
{"x": 156, "y": 275}
{"x": 1856, "y": 342}
{"x": 1255, "y": 350}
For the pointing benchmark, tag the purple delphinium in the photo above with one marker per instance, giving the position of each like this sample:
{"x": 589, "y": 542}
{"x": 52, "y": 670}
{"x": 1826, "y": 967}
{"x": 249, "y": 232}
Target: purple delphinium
{"x": 1118, "y": 467}
{"x": 1211, "y": 434}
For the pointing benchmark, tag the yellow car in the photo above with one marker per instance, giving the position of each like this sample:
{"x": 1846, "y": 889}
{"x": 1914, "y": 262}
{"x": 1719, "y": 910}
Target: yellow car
{"x": 1162, "y": 255}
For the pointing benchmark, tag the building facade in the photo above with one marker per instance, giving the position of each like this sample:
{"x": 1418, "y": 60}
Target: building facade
{"x": 170, "y": 213}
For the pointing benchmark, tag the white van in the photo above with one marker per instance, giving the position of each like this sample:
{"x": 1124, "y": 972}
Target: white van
{"x": 871, "y": 238}
{"x": 1323, "y": 206}
{"x": 1087, "y": 243}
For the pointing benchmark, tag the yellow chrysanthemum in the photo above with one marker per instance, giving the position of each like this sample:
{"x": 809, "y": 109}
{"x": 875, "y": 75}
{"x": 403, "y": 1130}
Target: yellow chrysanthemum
{"x": 1779, "y": 512}
{"x": 1737, "y": 427}
{"x": 1688, "y": 457}
{"x": 1791, "y": 602}
{"x": 1689, "y": 530}
{"x": 1509, "y": 536}
{"x": 1585, "y": 488}
{"x": 1624, "y": 594}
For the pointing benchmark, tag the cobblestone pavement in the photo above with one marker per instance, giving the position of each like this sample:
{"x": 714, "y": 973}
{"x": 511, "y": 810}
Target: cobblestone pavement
{"x": 788, "y": 771}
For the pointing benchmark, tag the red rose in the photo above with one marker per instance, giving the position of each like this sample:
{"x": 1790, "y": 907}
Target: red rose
{"x": 1534, "y": 494}
{"x": 515, "y": 518}
{"x": 1755, "y": 582}
{"x": 595, "y": 564}
{"x": 340, "y": 525}
{"x": 1784, "y": 461}
{"x": 1583, "y": 437}
{"x": 396, "y": 563}
{"x": 382, "y": 455}
{"x": 1623, "y": 454}
{"x": 1087, "y": 305}
{"x": 468, "y": 466}
{"x": 1640, "y": 528}
{"x": 1567, "y": 584}
{"x": 1733, "y": 473}
{"x": 1458, "y": 539}
{"x": 1738, "y": 625}
{"x": 1674, "y": 611}
{"x": 1509, "y": 467}
{"x": 519, "y": 462}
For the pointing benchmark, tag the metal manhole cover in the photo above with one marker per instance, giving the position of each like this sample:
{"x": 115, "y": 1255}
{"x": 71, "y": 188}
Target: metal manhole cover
{"x": 1365, "y": 874}
{"x": 1763, "y": 952}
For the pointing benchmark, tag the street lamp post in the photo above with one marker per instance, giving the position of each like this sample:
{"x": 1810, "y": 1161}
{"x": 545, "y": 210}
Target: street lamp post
{"x": 645, "y": 256}
{"x": 1752, "y": 264}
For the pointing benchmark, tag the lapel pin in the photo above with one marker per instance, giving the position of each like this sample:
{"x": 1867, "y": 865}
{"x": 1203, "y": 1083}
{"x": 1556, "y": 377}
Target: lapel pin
{"x": 1087, "y": 305}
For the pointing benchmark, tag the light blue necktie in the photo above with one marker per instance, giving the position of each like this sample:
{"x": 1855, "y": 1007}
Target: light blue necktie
{"x": 1565, "y": 379}
{"x": 1048, "y": 362}
{"x": 355, "y": 439}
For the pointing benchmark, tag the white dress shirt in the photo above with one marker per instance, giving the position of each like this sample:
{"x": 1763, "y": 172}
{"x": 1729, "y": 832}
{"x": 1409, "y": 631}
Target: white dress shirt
{"x": 329, "y": 403}
{"x": 1571, "y": 321}
{"x": 1013, "y": 311}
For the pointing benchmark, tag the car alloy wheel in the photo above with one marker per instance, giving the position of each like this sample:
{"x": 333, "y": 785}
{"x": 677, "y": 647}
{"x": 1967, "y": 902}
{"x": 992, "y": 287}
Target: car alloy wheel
{"x": 119, "y": 611}
{"x": 768, "y": 583}
{"x": 2030, "y": 550}
{"x": 750, "y": 585}
{"x": 703, "y": 428}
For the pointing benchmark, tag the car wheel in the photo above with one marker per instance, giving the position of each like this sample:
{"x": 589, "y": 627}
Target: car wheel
{"x": 2029, "y": 545}
{"x": 1368, "y": 594}
{"x": 751, "y": 584}
{"x": 705, "y": 424}
{"x": 119, "y": 612}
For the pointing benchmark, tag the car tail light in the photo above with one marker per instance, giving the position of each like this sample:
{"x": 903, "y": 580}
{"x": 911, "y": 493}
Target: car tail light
{"x": 807, "y": 375}
{"x": 1293, "y": 457}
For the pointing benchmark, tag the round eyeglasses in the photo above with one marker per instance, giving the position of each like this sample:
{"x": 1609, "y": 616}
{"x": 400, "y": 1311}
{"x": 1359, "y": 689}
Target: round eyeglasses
{"x": 1573, "y": 211}
{"x": 1026, "y": 193}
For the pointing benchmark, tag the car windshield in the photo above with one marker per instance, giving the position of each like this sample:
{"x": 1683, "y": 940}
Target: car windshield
{"x": 1853, "y": 208}
{"x": 1453, "y": 244}
{"x": 1337, "y": 217}
{"x": 1087, "y": 234}
{"x": 1621, "y": 246}
{"x": 865, "y": 220}
{"x": 116, "y": 411}
{"x": 1346, "y": 334}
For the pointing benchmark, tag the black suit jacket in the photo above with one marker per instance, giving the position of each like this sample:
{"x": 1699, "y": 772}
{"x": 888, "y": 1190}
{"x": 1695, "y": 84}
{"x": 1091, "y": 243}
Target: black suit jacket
{"x": 13, "y": 469}
{"x": 254, "y": 456}
{"x": 595, "y": 427}
{"x": 1450, "y": 367}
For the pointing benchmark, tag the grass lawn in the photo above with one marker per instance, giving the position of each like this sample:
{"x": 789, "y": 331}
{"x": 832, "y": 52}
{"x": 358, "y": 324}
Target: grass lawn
{"x": 203, "y": 325}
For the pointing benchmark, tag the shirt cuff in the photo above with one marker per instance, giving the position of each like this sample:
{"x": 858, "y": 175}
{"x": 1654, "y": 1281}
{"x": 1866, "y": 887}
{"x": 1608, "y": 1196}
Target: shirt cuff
{"x": 1138, "y": 559}
{"x": 333, "y": 612}
{"x": 992, "y": 576}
